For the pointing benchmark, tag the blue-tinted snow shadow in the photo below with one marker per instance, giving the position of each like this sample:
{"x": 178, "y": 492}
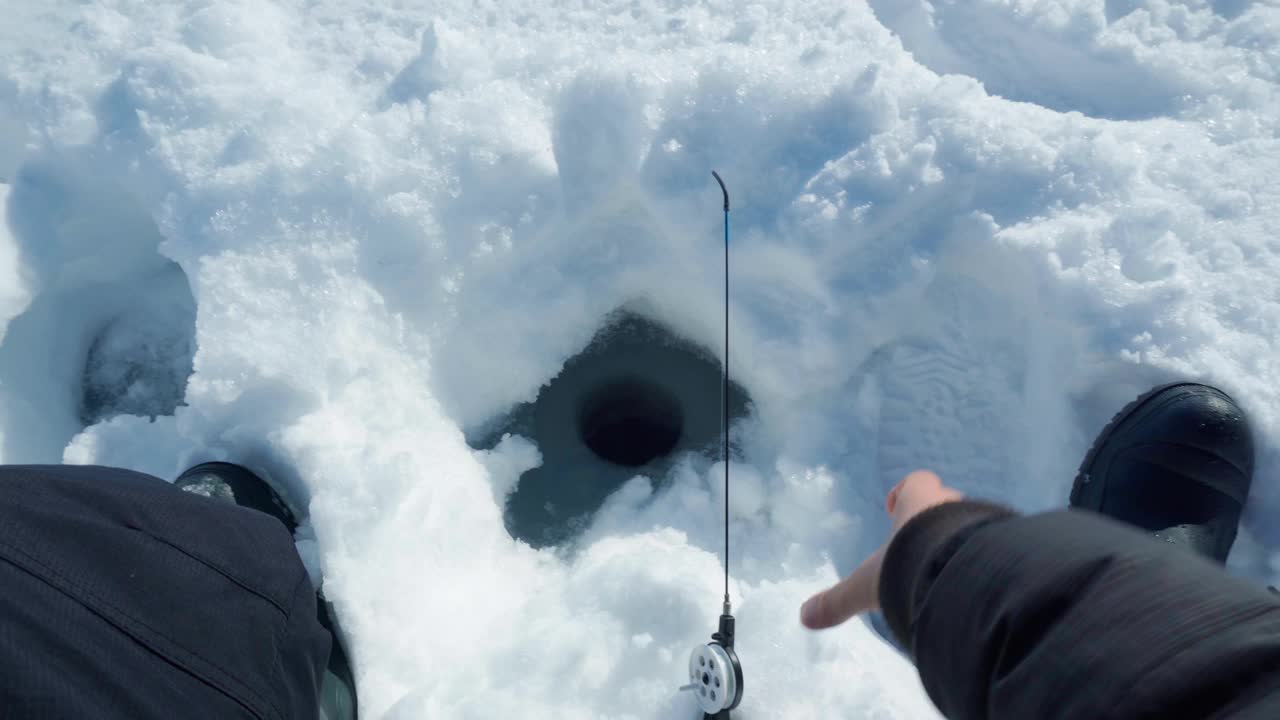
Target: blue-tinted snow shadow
{"x": 1229, "y": 9}
{"x": 1017, "y": 60}
{"x": 767, "y": 157}
{"x": 110, "y": 329}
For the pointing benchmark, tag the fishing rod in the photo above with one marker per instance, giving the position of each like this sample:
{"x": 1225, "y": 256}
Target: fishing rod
{"x": 714, "y": 669}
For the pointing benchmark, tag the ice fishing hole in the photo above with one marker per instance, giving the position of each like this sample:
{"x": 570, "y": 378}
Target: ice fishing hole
{"x": 630, "y": 421}
{"x": 637, "y": 399}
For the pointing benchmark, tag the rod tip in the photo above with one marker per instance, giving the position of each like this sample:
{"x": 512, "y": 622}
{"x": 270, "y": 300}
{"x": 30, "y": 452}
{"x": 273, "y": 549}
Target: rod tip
{"x": 723, "y": 189}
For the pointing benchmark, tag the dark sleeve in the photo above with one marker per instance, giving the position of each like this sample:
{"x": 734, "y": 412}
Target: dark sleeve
{"x": 1071, "y": 615}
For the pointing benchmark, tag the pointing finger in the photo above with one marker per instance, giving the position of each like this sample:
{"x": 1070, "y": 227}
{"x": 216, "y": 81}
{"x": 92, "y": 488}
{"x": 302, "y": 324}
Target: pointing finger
{"x": 859, "y": 592}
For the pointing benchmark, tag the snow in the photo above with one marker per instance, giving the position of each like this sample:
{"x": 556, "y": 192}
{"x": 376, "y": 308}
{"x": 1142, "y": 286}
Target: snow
{"x": 965, "y": 234}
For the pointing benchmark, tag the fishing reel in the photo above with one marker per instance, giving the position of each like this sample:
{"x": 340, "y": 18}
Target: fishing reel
{"x": 715, "y": 673}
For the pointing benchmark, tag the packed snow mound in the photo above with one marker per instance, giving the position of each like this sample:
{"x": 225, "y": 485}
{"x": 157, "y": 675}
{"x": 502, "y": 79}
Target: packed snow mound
{"x": 329, "y": 239}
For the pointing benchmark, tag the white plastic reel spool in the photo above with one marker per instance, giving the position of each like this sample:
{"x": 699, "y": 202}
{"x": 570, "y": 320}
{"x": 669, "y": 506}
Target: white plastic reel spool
{"x": 712, "y": 677}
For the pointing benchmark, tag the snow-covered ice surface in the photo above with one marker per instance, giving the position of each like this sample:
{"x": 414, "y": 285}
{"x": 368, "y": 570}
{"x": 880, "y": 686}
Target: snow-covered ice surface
{"x": 966, "y": 232}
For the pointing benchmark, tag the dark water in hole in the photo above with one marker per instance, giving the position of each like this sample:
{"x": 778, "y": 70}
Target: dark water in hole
{"x": 630, "y": 421}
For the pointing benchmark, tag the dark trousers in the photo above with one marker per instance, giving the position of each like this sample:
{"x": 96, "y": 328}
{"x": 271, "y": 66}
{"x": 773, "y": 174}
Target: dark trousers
{"x": 124, "y": 597}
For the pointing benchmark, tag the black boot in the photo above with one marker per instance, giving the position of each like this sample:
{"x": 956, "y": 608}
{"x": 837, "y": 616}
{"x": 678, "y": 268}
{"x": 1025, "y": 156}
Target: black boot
{"x": 1178, "y": 462}
{"x": 233, "y": 483}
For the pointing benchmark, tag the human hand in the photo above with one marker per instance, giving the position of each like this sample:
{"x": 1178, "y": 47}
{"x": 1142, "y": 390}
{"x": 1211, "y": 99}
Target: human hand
{"x": 860, "y": 591}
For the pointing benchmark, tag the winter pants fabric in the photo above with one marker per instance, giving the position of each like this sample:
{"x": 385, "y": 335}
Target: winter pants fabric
{"x": 124, "y": 597}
